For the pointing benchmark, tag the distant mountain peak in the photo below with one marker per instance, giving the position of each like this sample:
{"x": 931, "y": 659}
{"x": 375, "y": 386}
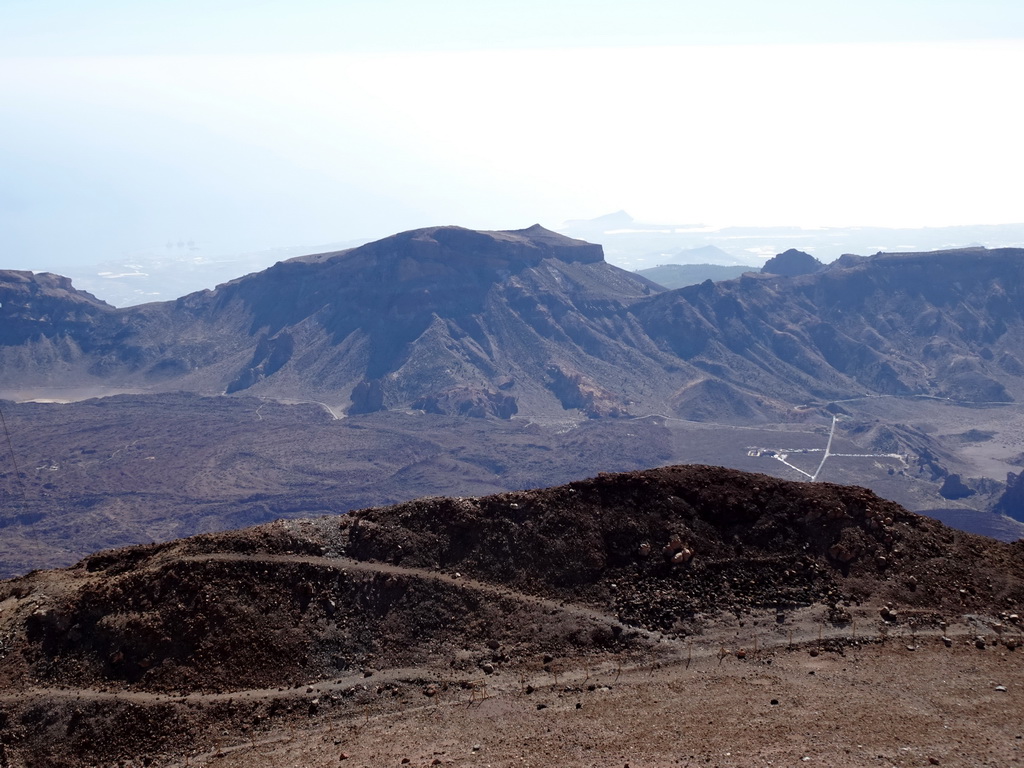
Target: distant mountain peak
{"x": 792, "y": 263}
{"x": 535, "y": 229}
{"x": 426, "y": 319}
{"x": 450, "y": 244}
{"x": 499, "y": 248}
{"x": 615, "y": 220}
{"x": 539, "y": 232}
{"x": 620, "y": 218}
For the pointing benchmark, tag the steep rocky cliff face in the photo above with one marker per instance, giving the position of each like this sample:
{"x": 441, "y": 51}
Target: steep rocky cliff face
{"x": 52, "y": 335}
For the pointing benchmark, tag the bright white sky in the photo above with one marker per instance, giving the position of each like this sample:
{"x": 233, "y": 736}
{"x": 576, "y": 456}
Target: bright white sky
{"x": 124, "y": 125}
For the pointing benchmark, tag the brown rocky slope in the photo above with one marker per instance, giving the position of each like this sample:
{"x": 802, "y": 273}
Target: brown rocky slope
{"x": 156, "y": 652}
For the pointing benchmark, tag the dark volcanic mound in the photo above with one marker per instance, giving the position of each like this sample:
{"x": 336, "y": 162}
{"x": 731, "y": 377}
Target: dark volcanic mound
{"x": 626, "y": 563}
{"x": 653, "y": 549}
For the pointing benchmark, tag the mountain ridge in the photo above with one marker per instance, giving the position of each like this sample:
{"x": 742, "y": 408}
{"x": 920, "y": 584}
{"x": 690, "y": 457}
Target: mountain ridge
{"x": 861, "y": 326}
{"x": 535, "y": 323}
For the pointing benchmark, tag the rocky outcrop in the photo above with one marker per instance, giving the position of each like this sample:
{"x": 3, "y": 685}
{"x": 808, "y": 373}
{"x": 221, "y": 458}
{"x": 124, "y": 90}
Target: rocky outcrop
{"x": 792, "y": 263}
{"x": 1011, "y": 503}
{"x": 953, "y": 487}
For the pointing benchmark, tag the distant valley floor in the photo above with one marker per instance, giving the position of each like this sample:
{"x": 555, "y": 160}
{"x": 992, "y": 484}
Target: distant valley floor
{"x": 138, "y": 468}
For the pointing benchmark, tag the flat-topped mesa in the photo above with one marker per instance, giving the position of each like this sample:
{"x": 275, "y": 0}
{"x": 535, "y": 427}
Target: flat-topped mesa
{"x": 463, "y": 248}
{"x": 553, "y": 245}
{"x": 969, "y": 259}
{"x": 443, "y": 270}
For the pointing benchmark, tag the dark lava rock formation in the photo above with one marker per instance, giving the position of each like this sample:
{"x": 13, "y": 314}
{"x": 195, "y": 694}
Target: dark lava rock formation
{"x": 33, "y": 305}
{"x": 953, "y": 487}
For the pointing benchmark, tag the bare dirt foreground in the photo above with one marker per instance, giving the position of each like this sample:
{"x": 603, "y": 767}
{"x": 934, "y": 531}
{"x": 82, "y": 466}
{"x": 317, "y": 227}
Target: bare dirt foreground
{"x": 890, "y": 697}
{"x": 876, "y": 704}
{"x": 680, "y": 616}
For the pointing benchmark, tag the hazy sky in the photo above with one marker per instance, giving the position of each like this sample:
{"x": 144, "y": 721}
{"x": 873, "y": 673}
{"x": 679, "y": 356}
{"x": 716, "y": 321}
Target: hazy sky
{"x": 248, "y": 125}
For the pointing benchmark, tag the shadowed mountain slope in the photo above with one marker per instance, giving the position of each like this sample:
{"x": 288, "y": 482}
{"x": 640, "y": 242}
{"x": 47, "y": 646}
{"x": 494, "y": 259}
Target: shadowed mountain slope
{"x": 32, "y": 305}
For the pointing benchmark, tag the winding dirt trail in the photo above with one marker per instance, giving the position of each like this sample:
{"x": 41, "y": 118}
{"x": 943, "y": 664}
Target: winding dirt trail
{"x": 460, "y": 581}
{"x": 761, "y": 633}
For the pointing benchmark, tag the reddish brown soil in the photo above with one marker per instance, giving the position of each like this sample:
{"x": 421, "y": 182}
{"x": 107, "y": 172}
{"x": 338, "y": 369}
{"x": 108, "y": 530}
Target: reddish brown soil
{"x": 871, "y": 706}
